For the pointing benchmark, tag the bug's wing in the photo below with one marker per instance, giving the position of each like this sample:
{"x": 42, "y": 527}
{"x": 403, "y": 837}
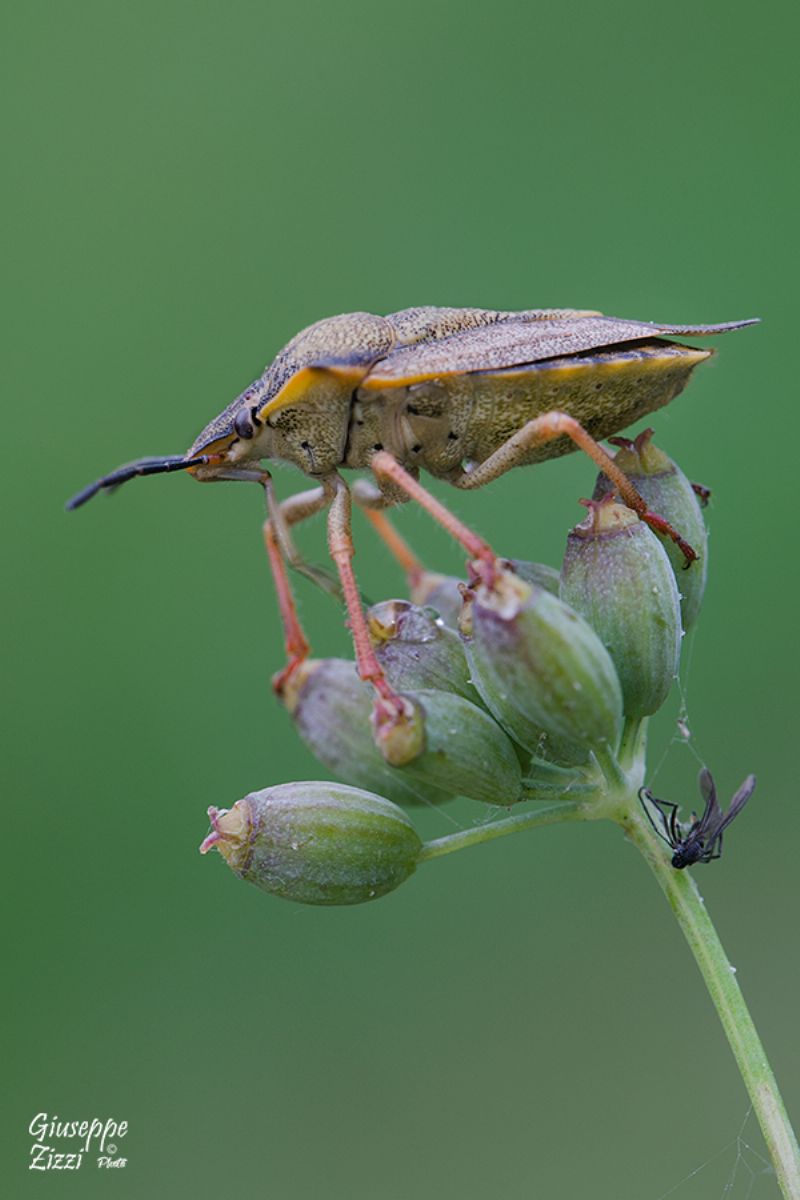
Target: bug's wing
{"x": 515, "y": 342}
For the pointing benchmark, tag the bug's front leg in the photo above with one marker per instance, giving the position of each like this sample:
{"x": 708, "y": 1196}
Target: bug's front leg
{"x": 291, "y": 512}
{"x": 295, "y": 509}
{"x": 558, "y": 424}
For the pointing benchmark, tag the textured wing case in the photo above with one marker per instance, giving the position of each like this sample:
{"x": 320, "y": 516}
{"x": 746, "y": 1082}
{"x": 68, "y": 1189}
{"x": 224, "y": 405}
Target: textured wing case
{"x": 510, "y": 343}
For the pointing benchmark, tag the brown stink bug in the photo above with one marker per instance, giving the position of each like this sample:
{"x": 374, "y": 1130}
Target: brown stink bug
{"x": 464, "y": 393}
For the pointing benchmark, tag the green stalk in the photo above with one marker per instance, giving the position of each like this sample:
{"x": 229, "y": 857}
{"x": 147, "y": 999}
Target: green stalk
{"x": 686, "y": 902}
{"x": 618, "y": 800}
{"x": 571, "y": 811}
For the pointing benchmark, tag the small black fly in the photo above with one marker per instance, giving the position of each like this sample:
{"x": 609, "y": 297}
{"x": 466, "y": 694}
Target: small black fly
{"x": 702, "y": 841}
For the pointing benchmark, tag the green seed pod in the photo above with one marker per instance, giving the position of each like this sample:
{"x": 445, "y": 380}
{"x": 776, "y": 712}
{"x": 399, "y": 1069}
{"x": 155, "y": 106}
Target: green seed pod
{"x": 332, "y": 711}
{"x": 417, "y": 650}
{"x": 617, "y": 575}
{"x": 539, "y": 573}
{"x": 398, "y": 735}
{"x": 669, "y": 493}
{"x": 440, "y": 592}
{"x": 465, "y": 750}
{"x": 444, "y": 592}
{"x": 317, "y": 843}
{"x": 539, "y": 666}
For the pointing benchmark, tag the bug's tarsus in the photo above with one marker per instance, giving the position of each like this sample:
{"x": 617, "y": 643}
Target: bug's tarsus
{"x": 142, "y": 466}
{"x": 702, "y": 492}
{"x": 659, "y": 525}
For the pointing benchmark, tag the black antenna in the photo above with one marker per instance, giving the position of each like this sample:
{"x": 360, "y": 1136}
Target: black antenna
{"x": 142, "y": 466}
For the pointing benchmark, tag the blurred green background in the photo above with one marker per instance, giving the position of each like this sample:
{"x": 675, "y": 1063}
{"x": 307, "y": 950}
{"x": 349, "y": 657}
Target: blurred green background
{"x": 188, "y": 184}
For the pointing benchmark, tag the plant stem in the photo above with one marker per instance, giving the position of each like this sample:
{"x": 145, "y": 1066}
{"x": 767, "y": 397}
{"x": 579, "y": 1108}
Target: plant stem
{"x": 568, "y": 811}
{"x": 619, "y": 801}
{"x": 686, "y": 902}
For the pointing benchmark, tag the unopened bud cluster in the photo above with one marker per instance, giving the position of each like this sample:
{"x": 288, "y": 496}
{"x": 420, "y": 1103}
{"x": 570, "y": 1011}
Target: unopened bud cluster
{"x": 520, "y": 671}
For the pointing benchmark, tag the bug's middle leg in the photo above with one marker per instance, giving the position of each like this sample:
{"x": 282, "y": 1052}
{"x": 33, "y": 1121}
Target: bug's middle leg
{"x": 373, "y": 503}
{"x": 546, "y": 428}
{"x": 389, "y": 471}
{"x": 390, "y": 708}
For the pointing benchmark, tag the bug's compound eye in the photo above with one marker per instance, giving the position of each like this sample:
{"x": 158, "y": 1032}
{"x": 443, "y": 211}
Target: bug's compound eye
{"x": 243, "y": 424}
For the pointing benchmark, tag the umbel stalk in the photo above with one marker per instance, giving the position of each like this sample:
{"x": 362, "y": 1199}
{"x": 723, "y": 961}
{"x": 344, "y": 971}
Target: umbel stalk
{"x": 616, "y": 797}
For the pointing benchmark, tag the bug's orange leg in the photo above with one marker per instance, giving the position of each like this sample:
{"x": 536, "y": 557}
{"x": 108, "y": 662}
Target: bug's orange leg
{"x": 387, "y": 468}
{"x": 290, "y": 512}
{"x": 280, "y": 547}
{"x": 294, "y": 640}
{"x": 558, "y": 424}
{"x": 390, "y": 708}
{"x": 703, "y": 493}
{"x": 398, "y": 545}
{"x": 372, "y": 503}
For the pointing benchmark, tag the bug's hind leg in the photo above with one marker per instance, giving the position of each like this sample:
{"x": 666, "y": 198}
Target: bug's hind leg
{"x": 558, "y": 424}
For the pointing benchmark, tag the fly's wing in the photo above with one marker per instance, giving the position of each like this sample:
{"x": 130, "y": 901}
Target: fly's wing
{"x": 708, "y": 790}
{"x": 737, "y": 803}
{"x": 711, "y": 819}
{"x": 714, "y": 821}
{"x": 511, "y": 343}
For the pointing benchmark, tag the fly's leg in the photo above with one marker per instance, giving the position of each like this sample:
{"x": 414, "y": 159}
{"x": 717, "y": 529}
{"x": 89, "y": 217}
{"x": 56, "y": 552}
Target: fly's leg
{"x": 397, "y": 725}
{"x": 389, "y": 470}
{"x": 296, "y": 508}
{"x": 372, "y": 502}
{"x": 557, "y": 424}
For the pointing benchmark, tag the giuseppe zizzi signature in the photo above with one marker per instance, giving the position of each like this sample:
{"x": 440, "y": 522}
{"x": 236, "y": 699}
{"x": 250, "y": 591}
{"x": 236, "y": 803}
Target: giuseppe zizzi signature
{"x": 64, "y": 1145}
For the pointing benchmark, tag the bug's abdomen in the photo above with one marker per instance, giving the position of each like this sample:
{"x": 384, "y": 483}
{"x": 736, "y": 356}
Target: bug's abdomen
{"x": 605, "y": 390}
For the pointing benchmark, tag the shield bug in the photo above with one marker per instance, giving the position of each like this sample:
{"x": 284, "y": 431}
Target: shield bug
{"x": 463, "y": 393}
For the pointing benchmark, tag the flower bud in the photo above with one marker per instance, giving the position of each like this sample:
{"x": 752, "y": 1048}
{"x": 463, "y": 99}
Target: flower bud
{"x": 417, "y": 650}
{"x": 332, "y": 711}
{"x": 539, "y": 666}
{"x": 617, "y": 575}
{"x": 317, "y": 843}
{"x": 669, "y": 493}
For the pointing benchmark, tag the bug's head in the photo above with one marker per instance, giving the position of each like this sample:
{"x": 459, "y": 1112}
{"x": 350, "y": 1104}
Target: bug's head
{"x": 230, "y": 447}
